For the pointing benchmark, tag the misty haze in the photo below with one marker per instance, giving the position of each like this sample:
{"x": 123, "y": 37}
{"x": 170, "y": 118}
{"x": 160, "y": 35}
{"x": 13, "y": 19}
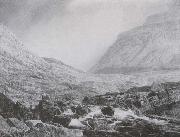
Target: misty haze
{"x": 89, "y": 68}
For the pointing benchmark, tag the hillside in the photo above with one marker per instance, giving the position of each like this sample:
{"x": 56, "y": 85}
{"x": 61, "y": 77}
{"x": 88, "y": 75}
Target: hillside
{"x": 25, "y": 76}
{"x": 154, "y": 46}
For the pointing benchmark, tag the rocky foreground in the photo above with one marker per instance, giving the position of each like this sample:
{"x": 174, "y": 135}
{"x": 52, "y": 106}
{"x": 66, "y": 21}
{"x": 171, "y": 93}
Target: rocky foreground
{"x": 150, "y": 111}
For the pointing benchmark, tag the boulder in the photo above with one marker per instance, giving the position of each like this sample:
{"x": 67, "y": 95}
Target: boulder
{"x": 76, "y": 124}
{"x": 33, "y": 123}
{"x": 68, "y": 112}
{"x": 80, "y": 110}
{"x": 107, "y": 111}
{"x": 64, "y": 120}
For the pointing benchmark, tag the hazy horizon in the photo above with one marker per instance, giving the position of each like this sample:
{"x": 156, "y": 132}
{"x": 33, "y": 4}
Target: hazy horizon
{"x": 76, "y": 32}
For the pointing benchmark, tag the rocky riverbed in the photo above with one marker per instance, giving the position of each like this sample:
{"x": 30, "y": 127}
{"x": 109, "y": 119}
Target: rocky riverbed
{"x": 150, "y": 111}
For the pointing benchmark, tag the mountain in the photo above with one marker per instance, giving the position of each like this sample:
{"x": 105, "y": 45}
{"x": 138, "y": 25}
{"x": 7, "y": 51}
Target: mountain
{"x": 154, "y": 46}
{"x": 25, "y": 76}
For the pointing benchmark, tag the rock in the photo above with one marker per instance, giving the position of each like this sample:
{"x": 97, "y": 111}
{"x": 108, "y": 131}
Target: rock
{"x": 86, "y": 100}
{"x": 46, "y": 114}
{"x": 45, "y": 97}
{"x": 12, "y": 128}
{"x": 94, "y": 133}
{"x": 47, "y": 110}
{"x": 147, "y": 127}
{"x": 62, "y": 132}
{"x": 98, "y": 124}
{"x": 37, "y": 133}
{"x": 21, "y": 112}
{"x": 102, "y": 124}
{"x": 3, "y": 124}
{"x": 80, "y": 110}
{"x": 13, "y": 122}
{"x": 76, "y": 124}
{"x": 16, "y": 132}
{"x": 139, "y": 127}
{"x": 61, "y": 105}
{"x": 53, "y": 131}
{"x": 4, "y": 134}
{"x": 64, "y": 120}
{"x": 90, "y": 123}
{"x": 9, "y": 108}
{"x": 172, "y": 134}
{"x": 33, "y": 123}
{"x": 6, "y": 107}
{"x": 107, "y": 111}
{"x": 68, "y": 112}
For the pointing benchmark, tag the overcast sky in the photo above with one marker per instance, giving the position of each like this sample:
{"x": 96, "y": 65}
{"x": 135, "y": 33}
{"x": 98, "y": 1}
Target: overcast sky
{"x": 77, "y": 32}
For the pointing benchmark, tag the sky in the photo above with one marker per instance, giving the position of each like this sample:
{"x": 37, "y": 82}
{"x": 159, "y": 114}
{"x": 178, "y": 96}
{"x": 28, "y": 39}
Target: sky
{"x": 77, "y": 32}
